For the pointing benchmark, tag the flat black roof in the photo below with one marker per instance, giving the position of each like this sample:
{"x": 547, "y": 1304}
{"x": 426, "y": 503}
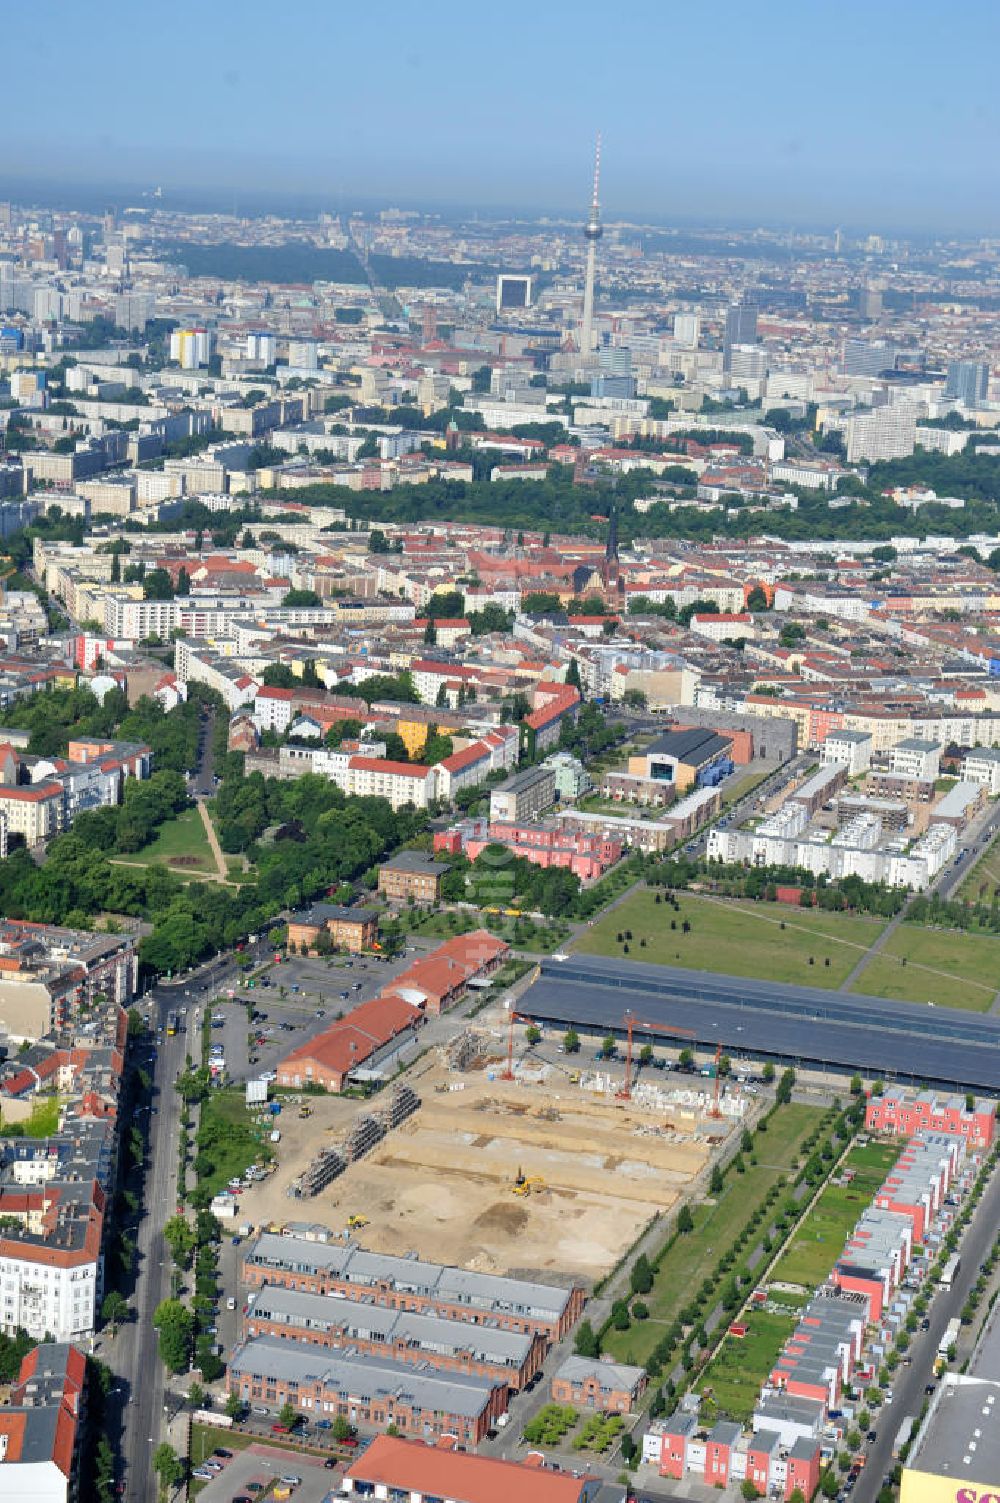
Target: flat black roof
{"x": 695, "y": 745}
{"x": 910, "y": 1040}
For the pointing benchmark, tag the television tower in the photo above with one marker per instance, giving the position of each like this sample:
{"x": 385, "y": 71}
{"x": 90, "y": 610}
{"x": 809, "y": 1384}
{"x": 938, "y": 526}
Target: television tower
{"x": 592, "y": 232}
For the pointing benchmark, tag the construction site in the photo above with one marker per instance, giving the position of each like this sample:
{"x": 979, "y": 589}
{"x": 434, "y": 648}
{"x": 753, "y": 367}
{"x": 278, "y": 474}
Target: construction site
{"x": 552, "y": 1170}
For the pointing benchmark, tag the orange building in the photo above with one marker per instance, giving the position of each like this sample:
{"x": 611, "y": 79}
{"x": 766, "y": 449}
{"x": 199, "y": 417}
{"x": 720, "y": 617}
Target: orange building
{"x": 353, "y": 929}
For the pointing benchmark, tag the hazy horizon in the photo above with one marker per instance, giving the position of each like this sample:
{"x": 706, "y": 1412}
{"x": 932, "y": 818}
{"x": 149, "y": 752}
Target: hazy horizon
{"x": 875, "y": 118}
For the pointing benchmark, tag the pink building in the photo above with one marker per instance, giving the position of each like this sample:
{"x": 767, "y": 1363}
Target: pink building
{"x": 895, "y": 1112}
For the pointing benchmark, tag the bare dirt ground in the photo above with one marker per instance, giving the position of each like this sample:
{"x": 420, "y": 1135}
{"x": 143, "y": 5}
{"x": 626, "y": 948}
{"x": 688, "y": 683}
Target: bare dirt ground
{"x": 441, "y": 1185}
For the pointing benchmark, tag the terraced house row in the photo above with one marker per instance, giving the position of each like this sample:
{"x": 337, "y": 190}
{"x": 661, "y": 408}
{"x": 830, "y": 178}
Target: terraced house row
{"x": 841, "y": 1337}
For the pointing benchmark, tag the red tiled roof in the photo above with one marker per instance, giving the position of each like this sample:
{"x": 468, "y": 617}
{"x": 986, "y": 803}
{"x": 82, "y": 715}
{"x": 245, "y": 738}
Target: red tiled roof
{"x": 409, "y": 1466}
{"x": 477, "y": 752}
{"x": 382, "y": 764}
{"x": 34, "y": 795}
{"x": 355, "y": 1037}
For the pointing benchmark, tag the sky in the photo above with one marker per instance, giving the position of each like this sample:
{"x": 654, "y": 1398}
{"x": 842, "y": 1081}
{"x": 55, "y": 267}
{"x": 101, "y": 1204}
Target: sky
{"x": 873, "y": 114}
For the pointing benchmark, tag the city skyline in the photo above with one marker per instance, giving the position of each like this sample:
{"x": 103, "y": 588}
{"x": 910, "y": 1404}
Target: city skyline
{"x": 793, "y": 122}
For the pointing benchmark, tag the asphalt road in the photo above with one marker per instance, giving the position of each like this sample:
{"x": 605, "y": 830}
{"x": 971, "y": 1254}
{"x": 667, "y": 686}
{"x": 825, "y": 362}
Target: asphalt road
{"x": 909, "y": 1382}
{"x": 975, "y": 838}
{"x": 132, "y": 1355}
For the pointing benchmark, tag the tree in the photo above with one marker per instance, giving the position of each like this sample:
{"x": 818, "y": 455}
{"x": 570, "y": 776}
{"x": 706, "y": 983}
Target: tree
{"x": 157, "y": 585}
{"x": 749, "y": 1489}
{"x": 768, "y": 1072}
{"x": 685, "y": 1058}
{"x": 340, "y": 1429}
{"x": 715, "y": 1183}
{"x": 288, "y": 1415}
{"x": 608, "y": 1046}
{"x": 571, "y": 1041}
{"x": 183, "y": 582}
{"x": 180, "y": 1238}
{"x": 115, "y": 1310}
{"x": 587, "y": 1344}
{"x": 233, "y": 1406}
{"x": 196, "y": 1396}
{"x": 641, "y": 1275}
{"x": 167, "y": 1465}
{"x": 533, "y": 1034}
{"x": 685, "y": 1221}
{"x": 175, "y": 1324}
{"x": 301, "y": 599}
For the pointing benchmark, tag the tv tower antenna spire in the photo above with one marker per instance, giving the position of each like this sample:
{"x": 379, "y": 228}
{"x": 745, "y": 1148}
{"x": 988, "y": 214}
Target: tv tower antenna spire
{"x": 592, "y": 232}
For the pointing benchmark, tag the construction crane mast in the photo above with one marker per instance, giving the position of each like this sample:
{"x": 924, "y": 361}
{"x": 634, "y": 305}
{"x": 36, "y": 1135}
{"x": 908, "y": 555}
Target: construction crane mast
{"x": 631, "y": 1022}
{"x": 515, "y": 1017}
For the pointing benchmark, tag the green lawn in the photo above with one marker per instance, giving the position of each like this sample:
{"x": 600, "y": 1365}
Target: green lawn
{"x": 819, "y": 1240}
{"x": 765, "y": 940}
{"x": 733, "y": 1378}
{"x": 229, "y": 1141}
{"x": 182, "y": 843}
{"x": 943, "y": 966}
{"x": 739, "y": 785}
{"x": 694, "y": 1256}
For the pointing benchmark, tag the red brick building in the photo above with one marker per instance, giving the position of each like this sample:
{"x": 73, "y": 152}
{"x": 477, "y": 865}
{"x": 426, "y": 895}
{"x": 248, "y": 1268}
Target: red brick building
{"x": 329, "y": 1058}
{"x": 595, "y": 1383}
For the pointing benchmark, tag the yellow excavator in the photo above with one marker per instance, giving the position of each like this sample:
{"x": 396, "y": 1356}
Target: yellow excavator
{"x": 355, "y": 1223}
{"x": 524, "y": 1184}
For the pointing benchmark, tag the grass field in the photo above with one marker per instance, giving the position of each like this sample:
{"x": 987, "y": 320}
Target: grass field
{"x": 943, "y": 966}
{"x": 42, "y": 1123}
{"x": 181, "y": 843}
{"x": 819, "y": 1240}
{"x": 693, "y": 1256}
{"x": 228, "y": 1139}
{"x": 741, "y": 1364}
{"x": 763, "y": 940}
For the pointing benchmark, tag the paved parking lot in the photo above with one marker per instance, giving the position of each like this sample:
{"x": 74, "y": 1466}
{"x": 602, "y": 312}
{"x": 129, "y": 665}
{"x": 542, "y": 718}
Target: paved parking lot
{"x": 265, "y": 1464}
{"x": 321, "y": 985}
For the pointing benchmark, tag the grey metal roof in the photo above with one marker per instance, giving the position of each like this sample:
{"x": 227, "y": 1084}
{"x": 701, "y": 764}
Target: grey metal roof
{"x": 798, "y": 1023}
{"x": 363, "y": 1377}
{"x": 433, "y": 1280}
{"x": 610, "y": 1375}
{"x": 359, "y": 1320}
{"x": 960, "y": 1437}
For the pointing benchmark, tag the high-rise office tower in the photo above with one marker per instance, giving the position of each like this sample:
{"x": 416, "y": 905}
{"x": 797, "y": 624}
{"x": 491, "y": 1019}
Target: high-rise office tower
{"x": 741, "y": 326}
{"x": 870, "y": 301}
{"x": 968, "y": 382}
{"x": 513, "y": 292}
{"x": 592, "y": 232}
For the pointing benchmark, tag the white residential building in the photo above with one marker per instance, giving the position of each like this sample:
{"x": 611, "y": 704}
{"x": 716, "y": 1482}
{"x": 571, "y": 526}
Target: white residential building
{"x": 983, "y": 766}
{"x": 850, "y": 749}
{"x": 882, "y": 433}
{"x": 917, "y": 758}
